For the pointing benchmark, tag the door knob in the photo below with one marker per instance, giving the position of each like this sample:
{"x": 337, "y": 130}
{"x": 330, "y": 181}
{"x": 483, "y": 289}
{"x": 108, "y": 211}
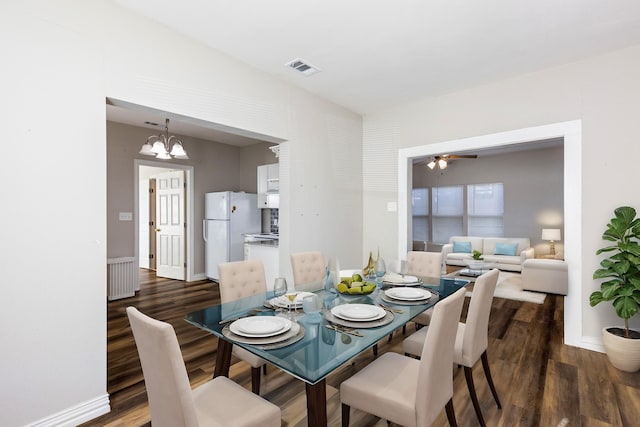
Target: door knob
{"x": 158, "y": 230}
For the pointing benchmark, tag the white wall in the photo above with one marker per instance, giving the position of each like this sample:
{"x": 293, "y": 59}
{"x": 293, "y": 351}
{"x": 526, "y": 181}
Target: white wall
{"x": 66, "y": 58}
{"x": 602, "y": 91}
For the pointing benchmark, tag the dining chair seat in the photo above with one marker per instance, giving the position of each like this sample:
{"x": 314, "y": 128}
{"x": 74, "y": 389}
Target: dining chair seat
{"x": 471, "y": 338}
{"x": 404, "y": 390}
{"x": 172, "y": 402}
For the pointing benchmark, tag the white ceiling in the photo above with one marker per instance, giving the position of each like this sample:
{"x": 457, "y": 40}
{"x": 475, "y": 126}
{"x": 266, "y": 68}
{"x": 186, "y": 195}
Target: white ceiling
{"x": 379, "y": 53}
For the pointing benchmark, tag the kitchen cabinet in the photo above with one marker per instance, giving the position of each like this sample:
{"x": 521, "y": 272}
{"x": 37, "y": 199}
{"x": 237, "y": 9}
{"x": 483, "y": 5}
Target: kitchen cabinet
{"x": 269, "y": 254}
{"x": 269, "y": 186}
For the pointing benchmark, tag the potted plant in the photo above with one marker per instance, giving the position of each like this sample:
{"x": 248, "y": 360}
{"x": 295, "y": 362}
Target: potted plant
{"x": 477, "y": 263}
{"x": 621, "y": 271}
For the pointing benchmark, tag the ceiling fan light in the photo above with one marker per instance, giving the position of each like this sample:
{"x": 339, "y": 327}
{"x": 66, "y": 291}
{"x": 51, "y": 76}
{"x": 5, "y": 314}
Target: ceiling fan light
{"x": 431, "y": 164}
{"x": 442, "y": 164}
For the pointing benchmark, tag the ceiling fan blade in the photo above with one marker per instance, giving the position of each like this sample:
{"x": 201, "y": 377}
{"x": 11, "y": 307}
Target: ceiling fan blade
{"x": 463, "y": 156}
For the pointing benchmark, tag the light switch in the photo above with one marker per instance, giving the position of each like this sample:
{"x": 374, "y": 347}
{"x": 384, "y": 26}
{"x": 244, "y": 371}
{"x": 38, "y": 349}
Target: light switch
{"x": 125, "y": 216}
{"x": 392, "y": 206}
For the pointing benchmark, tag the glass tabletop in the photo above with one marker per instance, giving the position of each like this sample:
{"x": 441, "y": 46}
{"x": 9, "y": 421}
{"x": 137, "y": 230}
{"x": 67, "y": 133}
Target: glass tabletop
{"x": 321, "y": 350}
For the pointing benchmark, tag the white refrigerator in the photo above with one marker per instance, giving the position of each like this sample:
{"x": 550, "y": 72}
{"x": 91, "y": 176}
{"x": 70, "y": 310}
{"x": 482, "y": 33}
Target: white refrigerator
{"x": 227, "y": 216}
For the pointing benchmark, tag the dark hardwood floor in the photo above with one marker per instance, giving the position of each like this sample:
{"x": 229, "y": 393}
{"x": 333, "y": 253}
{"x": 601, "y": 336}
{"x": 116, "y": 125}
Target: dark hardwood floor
{"x": 541, "y": 382}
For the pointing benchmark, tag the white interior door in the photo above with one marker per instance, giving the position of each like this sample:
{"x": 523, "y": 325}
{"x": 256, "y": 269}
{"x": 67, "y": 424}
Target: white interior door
{"x": 170, "y": 225}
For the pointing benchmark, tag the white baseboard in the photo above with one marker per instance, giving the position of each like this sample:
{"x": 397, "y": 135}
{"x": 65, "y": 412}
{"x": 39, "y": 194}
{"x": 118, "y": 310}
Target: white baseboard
{"x": 593, "y": 343}
{"x": 77, "y": 414}
{"x": 199, "y": 276}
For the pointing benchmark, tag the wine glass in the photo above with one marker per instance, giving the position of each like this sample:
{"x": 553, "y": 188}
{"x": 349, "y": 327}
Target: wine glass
{"x": 381, "y": 270}
{"x": 291, "y": 296}
{"x": 280, "y": 286}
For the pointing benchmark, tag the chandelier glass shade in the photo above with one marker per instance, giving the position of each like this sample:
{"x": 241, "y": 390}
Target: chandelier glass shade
{"x": 163, "y": 146}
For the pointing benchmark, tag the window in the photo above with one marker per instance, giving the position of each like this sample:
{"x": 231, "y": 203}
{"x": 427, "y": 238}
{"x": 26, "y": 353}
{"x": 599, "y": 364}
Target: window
{"x": 448, "y": 215}
{"x": 485, "y": 210}
{"x": 420, "y": 213}
{"x": 448, "y": 210}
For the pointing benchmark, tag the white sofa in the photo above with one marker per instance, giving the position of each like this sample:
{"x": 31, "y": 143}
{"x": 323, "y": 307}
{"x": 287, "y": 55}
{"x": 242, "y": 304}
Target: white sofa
{"x": 545, "y": 275}
{"x": 487, "y": 246}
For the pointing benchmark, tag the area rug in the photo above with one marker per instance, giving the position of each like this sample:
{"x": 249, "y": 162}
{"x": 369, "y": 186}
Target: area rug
{"x": 510, "y": 287}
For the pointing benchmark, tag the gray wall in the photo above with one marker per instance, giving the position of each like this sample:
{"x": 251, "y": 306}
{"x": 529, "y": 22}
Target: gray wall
{"x": 533, "y": 188}
{"x": 217, "y": 167}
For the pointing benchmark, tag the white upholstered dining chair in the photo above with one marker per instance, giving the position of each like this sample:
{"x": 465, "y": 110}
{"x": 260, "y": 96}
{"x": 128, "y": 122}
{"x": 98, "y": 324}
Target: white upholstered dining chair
{"x": 427, "y": 264}
{"x": 423, "y": 264}
{"x": 404, "y": 390}
{"x": 241, "y": 279}
{"x": 471, "y": 337}
{"x": 219, "y": 402}
{"x": 308, "y": 268}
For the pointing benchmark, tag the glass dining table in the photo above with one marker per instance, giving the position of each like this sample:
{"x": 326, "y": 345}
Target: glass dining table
{"x": 321, "y": 347}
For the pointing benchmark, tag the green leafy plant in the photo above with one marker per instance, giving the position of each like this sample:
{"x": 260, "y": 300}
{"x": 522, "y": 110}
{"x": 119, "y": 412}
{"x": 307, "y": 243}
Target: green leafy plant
{"x": 621, "y": 268}
{"x": 477, "y": 255}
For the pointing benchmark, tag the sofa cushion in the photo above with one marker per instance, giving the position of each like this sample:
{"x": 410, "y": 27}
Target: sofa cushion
{"x": 476, "y": 242}
{"x": 489, "y": 244}
{"x": 462, "y": 247}
{"x": 506, "y": 249}
{"x": 501, "y": 259}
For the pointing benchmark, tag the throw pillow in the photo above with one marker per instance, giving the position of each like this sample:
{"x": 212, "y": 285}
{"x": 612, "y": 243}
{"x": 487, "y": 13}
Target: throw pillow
{"x": 462, "y": 247}
{"x": 506, "y": 249}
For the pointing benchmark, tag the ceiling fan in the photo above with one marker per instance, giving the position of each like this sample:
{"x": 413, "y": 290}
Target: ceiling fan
{"x": 442, "y": 161}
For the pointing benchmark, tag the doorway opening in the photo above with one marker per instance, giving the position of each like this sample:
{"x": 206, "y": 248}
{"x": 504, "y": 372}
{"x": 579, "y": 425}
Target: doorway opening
{"x": 164, "y": 242}
{"x": 571, "y": 133}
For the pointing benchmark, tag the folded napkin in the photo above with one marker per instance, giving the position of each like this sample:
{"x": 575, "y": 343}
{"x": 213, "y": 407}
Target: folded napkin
{"x": 399, "y": 278}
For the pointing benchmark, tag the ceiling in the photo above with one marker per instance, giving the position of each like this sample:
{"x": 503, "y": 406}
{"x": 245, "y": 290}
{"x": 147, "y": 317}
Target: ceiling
{"x": 375, "y": 54}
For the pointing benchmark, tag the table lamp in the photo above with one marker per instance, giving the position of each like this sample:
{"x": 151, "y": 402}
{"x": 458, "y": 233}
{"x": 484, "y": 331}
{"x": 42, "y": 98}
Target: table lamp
{"x": 551, "y": 234}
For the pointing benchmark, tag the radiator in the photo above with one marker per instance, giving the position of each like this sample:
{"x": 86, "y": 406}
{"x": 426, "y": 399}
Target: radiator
{"x": 122, "y": 278}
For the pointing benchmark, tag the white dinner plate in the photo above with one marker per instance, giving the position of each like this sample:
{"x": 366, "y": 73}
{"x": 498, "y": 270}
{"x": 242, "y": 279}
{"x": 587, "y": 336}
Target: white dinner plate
{"x": 260, "y": 326}
{"x": 358, "y": 312}
{"x": 283, "y": 302}
{"x": 408, "y": 294}
{"x": 399, "y": 279}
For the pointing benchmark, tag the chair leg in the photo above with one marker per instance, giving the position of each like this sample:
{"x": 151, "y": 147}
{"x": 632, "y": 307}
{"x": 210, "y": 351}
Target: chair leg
{"x": 404, "y": 329}
{"x": 264, "y": 369}
{"x": 375, "y": 351}
{"x": 487, "y": 373}
{"x": 451, "y": 416}
{"x": 468, "y": 374}
{"x": 390, "y": 337}
{"x": 346, "y": 409}
{"x": 255, "y": 380}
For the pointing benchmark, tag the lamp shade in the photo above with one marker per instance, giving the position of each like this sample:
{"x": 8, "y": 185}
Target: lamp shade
{"x": 550, "y": 234}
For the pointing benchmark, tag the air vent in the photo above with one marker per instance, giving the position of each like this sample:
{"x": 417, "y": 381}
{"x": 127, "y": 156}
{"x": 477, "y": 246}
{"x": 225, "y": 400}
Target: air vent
{"x": 302, "y": 67}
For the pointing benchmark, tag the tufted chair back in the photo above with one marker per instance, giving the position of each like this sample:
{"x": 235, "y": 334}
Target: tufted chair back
{"x": 308, "y": 267}
{"x": 241, "y": 279}
{"x": 424, "y": 264}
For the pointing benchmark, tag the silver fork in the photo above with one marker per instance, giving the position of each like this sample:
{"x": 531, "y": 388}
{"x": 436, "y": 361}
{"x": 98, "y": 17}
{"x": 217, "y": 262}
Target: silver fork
{"x": 344, "y": 330}
{"x": 391, "y": 309}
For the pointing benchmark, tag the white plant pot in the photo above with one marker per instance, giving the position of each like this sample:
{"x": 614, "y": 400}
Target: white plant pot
{"x": 623, "y": 353}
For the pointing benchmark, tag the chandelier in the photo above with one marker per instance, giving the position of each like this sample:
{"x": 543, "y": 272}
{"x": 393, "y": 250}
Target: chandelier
{"x": 163, "y": 146}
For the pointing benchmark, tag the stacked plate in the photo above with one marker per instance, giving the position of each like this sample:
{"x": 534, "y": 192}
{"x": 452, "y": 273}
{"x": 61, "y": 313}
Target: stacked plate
{"x": 262, "y": 329}
{"x": 407, "y": 294}
{"x": 358, "y": 312}
{"x": 394, "y": 279}
{"x": 283, "y": 301}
